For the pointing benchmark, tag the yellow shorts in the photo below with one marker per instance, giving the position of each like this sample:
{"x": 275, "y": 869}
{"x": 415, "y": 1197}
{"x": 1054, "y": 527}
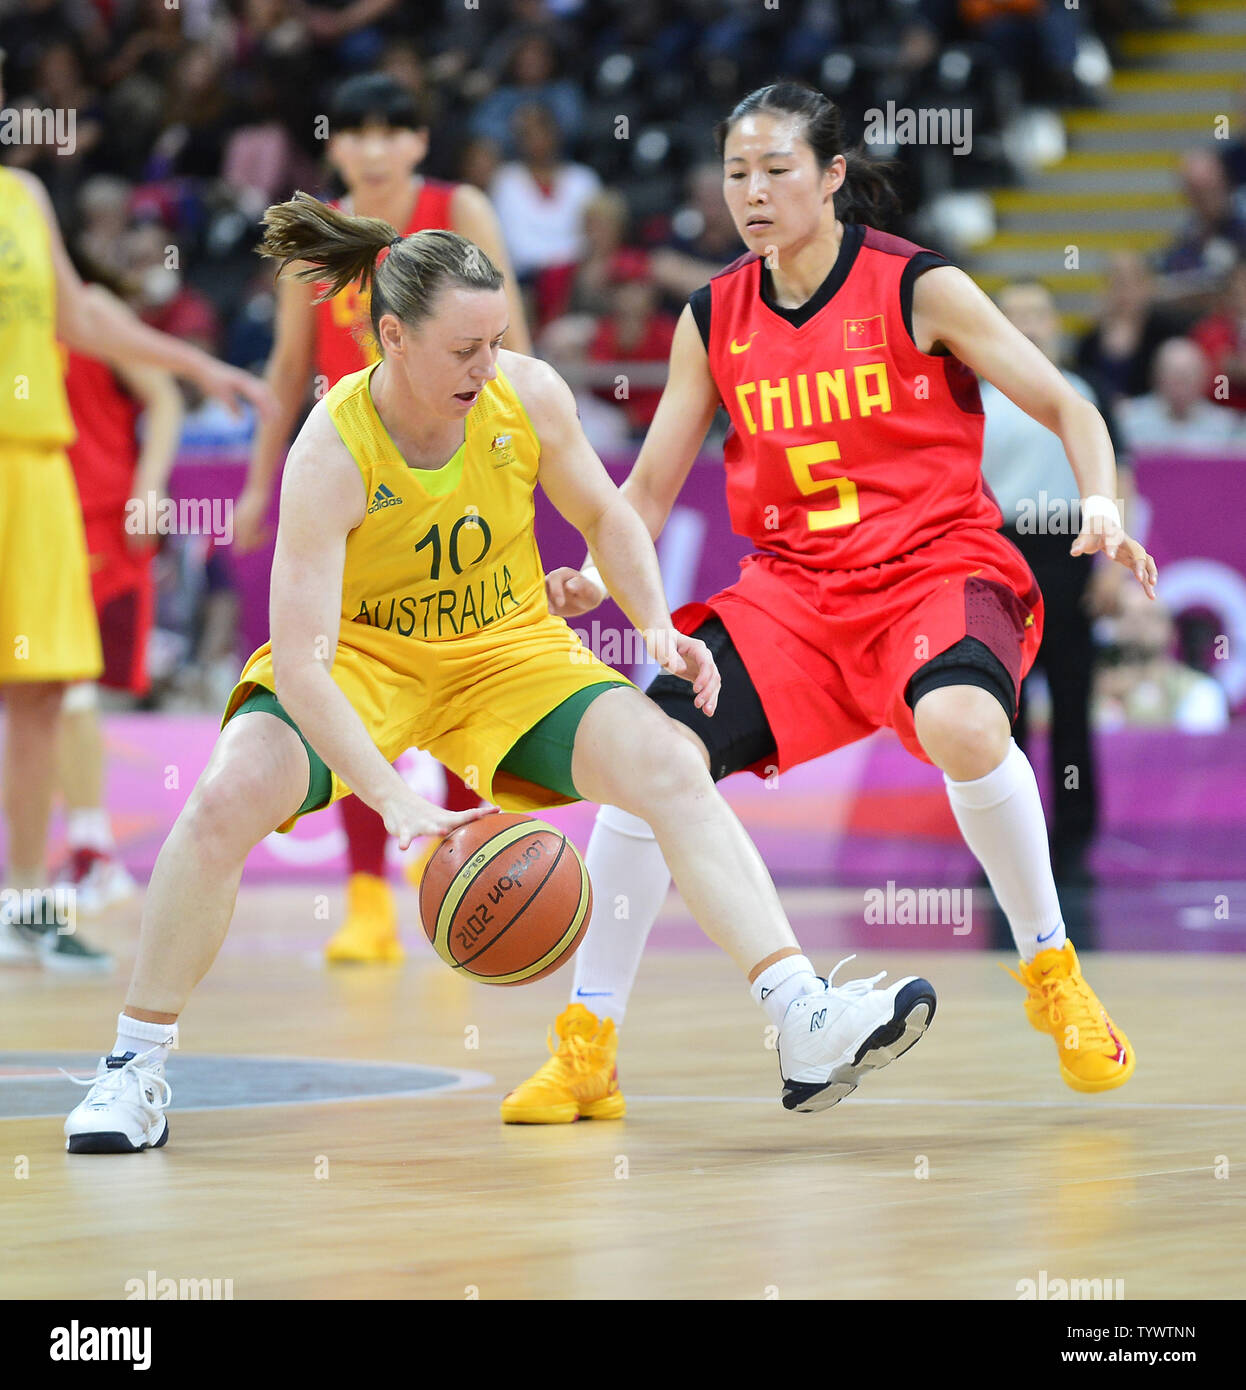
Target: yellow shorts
{"x": 48, "y": 630}
{"x": 466, "y": 701}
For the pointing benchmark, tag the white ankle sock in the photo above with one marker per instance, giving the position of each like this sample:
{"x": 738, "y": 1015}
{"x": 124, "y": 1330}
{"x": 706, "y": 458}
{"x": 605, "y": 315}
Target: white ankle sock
{"x": 780, "y": 983}
{"x": 1001, "y": 817}
{"x": 89, "y": 829}
{"x": 135, "y": 1036}
{"x": 630, "y": 882}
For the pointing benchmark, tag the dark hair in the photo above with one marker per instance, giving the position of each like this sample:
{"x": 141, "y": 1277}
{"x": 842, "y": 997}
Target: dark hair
{"x": 867, "y": 193}
{"x": 376, "y": 98}
{"x": 343, "y": 249}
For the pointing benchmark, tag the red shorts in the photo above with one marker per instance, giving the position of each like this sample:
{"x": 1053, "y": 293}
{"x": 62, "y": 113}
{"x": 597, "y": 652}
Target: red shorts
{"x": 831, "y": 652}
{"x": 125, "y": 604}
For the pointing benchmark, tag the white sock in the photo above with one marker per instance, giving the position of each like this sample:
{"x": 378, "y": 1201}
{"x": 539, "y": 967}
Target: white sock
{"x": 1001, "y": 817}
{"x": 780, "y": 983}
{"x": 630, "y": 882}
{"x": 89, "y": 829}
{"x": 136, "y": 1036}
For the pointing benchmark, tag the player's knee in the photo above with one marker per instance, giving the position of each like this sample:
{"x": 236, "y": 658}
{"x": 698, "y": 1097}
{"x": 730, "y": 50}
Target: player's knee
{"x": 966, "y": 736}
{"x": 665, "y": 767}
{"x": 228, "y": 810}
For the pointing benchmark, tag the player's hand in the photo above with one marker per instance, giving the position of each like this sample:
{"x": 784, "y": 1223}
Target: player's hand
{"x": 235, "y": 388}
{"x": 571, "y": 593}
{"x": 139, "y": 542}
{"x": 689, "y": 658}
{"x": 1101, "y": 533}
{"x": 250, "y": 520}
{"x": 407, "y": 817}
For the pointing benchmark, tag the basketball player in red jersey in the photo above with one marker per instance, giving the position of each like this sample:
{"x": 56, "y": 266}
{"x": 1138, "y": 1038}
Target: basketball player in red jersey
{"x": 881, "y": 592}
{"x": 378, "y": 140}
{"x": 111, "y": 467}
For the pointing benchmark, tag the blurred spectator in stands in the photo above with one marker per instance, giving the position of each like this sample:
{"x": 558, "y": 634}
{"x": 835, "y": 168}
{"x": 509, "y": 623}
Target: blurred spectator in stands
{"x": 262, "y": 164}
{"x": 1140, "y": 682}
{"x": 1037, "y": 39}
{"x": 148, "y": 39}
{"x": 1116, "y": 354}
{"x": 1029, "y": 473}
{"x": 103, "y": 219}
{"x": 479, "y": 162}
{"x": 1222, "y": 337}
{"x": 607, "y": 261}
{"x": 198, "y": 113}
{"x": 635, "y": 329}
{"x": 61, "y": 84}
{"x": 703, "y": 240}
{"x": 352, "y": 29}
{"x": 1233, "y": 153}
{"x": 164, "y": 300}
{"x": 1176, "y": 414}
{"x": 531, "y": 76}
{"x": 540, "y": 201}
{"x": 1213, "y": 237}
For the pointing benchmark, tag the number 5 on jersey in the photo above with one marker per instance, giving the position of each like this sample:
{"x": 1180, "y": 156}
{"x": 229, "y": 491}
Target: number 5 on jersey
{"x": 802, "y": 459}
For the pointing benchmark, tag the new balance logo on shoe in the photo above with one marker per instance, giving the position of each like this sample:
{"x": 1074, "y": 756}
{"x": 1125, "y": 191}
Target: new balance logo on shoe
{"x": 817, "y": 1020}
{"x": 383, "y": 497}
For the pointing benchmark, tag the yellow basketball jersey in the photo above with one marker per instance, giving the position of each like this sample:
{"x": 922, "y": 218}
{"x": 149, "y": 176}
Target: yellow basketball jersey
{"x": 33, "y": 408}
{"x": 445, "y": 554}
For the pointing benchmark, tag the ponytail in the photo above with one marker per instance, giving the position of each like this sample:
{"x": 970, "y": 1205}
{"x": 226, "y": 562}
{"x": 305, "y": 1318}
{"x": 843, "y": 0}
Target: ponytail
{"x": 345, "y": 250}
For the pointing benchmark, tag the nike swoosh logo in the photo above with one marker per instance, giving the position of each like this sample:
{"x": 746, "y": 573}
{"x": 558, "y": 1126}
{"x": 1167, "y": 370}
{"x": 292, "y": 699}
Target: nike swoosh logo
{"x": 592, "y": 993}
{"x": 742, "y": 347}
{"x": 1049, "y": 935}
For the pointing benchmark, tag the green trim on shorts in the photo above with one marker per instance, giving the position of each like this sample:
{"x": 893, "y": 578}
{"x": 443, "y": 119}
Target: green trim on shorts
{"x": 543, "y": 755}
{"x": 319, "y": 779}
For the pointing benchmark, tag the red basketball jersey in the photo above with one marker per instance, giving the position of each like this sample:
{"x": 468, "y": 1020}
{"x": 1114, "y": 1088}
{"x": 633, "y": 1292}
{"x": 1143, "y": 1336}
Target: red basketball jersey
{"x": 848, "y": 446}
{"x": 105, "y": 453}
{"x": 343, "y": 323}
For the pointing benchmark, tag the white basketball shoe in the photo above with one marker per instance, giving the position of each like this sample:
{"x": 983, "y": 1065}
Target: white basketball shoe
{"x": 828, "y": 1040}
{"x": 123, "y": 1112}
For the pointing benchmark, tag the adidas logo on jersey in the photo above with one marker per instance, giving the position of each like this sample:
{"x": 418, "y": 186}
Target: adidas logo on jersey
{"x": 384, "y": 498}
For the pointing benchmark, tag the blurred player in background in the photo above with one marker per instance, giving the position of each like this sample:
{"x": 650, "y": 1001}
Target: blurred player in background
{"x": 378, "y": 139}
{"x": 881, "y": 592}
{"x": 112, "y": 467}
{"x": 48, "y": 631}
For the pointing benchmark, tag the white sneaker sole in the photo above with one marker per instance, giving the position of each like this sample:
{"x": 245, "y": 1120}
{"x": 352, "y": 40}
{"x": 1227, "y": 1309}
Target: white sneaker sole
{"x": 913, "y": 1010}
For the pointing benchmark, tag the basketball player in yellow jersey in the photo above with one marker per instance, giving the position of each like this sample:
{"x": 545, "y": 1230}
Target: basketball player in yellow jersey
{"x": 408, "y": 607}
{"x": 48, "y": 633}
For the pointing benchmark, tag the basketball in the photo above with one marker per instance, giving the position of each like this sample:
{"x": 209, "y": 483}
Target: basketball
{"x": 505, "y": 899}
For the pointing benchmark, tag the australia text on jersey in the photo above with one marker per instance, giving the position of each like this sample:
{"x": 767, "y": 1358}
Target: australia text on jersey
{"x": 829, "y": 393}
{"x": 447, "y": 612}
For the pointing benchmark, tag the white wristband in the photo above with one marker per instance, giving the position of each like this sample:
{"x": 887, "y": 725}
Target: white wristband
{"x": 1098, "y": 505}
{"x": 591, "y": 572}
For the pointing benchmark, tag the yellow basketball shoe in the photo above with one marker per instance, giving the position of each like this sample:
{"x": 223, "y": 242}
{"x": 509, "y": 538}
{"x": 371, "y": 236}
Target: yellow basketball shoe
{"x": 579, "y": 1082}
{"x": 1094, "y": 1054}
{"x": 370, "y": 931}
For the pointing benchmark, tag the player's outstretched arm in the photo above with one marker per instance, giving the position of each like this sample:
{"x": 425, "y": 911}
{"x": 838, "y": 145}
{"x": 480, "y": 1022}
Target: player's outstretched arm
{"x": 322, "y": 501}
{"x": 101, "y": 326}
{"x": 949, "y": 308}
{"x": 576, "y": 482}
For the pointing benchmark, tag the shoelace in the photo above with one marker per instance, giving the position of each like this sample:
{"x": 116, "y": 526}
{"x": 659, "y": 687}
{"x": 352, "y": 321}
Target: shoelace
{"x": 1065, "y": 998}
{"x": 854, "y": 987}
{"x": 111, "y": 1081}
{"x": 572, "y": 1052}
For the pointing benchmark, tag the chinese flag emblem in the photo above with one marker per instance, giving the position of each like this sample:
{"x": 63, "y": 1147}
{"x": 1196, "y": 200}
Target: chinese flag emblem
{"x": 865, "y": 333}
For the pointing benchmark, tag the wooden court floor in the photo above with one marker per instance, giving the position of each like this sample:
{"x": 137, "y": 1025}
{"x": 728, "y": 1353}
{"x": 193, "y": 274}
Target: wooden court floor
{"x": 963, "y": 1170}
